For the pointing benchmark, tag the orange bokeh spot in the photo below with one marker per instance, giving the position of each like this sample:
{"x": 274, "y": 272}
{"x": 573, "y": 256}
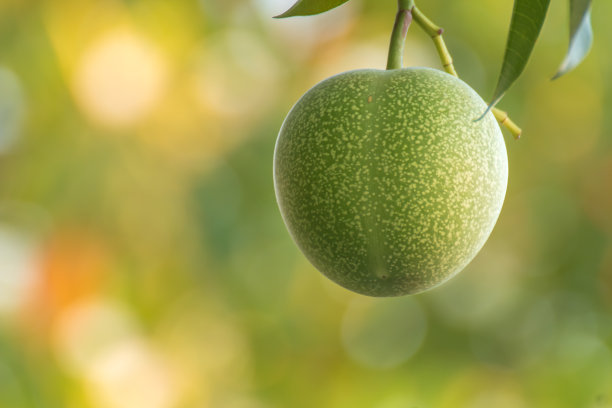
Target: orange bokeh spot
{"x": 74, "y": 266}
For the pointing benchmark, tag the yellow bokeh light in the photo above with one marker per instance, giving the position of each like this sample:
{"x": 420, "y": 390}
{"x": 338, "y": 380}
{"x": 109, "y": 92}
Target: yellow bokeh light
{"x": 237, "y": 75}
{"x": 99, "y": 341}
{"x": 120, "y": 78}
{"x": 85, "y": 332}
{"x": 132, "y": 375}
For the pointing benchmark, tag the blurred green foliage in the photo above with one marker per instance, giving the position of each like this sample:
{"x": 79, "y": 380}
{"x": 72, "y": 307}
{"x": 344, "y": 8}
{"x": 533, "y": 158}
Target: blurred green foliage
{"x": 144, "y": 263}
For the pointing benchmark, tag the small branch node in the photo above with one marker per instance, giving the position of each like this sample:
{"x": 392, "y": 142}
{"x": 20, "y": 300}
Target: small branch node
{"x": 504, "y": 120}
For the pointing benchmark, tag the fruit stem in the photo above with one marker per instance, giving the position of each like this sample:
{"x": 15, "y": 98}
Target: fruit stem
{"x": 403, "y": 18}
{"x": 435, "y": 32}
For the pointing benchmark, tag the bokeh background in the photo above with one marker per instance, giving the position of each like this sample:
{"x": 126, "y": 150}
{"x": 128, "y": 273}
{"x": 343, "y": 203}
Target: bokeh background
{"x": 144, "y": 262}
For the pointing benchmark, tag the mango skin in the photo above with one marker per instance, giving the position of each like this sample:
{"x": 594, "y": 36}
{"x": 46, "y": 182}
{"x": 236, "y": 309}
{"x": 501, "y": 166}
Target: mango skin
{"x": 384, "y": 180}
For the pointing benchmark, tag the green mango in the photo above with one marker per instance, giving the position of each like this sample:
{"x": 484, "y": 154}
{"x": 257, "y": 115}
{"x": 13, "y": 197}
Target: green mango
{"x": 386, "y": 182}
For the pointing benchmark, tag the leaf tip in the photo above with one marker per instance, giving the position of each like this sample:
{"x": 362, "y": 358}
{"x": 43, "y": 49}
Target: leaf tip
{"x": 288, "y": 13}
{"x": 283, "y": 15}
{"x": 310, "y": 8}
{"x": 558, "y": 75}
{"x": 489, "y": 107}
{"x": 481, "y": 117}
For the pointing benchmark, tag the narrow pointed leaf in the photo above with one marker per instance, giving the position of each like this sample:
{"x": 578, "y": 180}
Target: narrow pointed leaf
{"x": 311, "y": 7}
{"x": 527, "y": 19}
{"x": 581, "y": 36}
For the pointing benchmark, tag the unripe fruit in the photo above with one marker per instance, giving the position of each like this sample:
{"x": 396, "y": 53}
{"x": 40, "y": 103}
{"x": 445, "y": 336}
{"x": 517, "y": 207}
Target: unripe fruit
{"x": 385, "y": 181}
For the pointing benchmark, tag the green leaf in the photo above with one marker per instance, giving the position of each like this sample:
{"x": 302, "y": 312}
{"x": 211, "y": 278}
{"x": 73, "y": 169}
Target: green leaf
{"x": 581, "y": 36}
{"x": 527, "y": 19}
{"x": 311, "y": 7}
